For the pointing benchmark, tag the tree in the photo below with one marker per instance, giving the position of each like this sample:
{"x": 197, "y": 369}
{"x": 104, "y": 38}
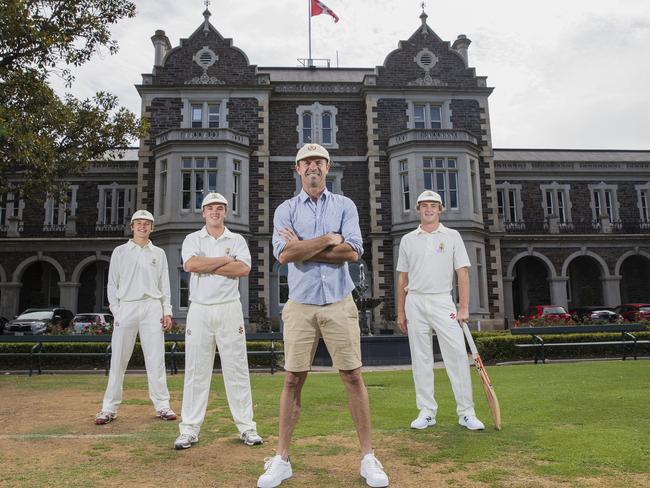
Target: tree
{"x": 45, "y": 138}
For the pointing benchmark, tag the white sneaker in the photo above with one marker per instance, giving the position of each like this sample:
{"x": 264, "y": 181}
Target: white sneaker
{"x": 276, "y": 471}
{"x": 373, "y": 471}
{"x": 423, "y": 421}
{"x": 185, "y": 441}
{"x": 251, "y": 438}
{"x": 471, "y": 422}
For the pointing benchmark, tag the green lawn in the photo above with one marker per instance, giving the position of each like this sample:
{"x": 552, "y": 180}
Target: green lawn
{"x": 571, "y": 424}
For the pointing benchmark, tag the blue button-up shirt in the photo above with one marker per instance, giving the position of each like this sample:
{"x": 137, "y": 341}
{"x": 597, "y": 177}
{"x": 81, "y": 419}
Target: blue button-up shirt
{"x": 311, "y": 282}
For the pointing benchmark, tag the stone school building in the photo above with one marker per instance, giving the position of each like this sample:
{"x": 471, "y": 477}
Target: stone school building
{"x": 564, "y": 227}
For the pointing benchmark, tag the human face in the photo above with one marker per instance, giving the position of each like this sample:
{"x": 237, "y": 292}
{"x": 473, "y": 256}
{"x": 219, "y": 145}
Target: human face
{"x": 429, "y": 212}
{"x": 214, "y": 214}
{"x": 141, "y": 228}
{"x": 313, "y": 172}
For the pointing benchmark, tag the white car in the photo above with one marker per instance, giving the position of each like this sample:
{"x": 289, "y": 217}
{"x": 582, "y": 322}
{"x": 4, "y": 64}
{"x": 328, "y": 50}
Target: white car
{"x": 82, "y": 322}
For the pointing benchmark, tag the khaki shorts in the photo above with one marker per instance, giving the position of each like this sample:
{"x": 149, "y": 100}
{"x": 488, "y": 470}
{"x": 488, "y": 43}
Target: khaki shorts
{"x": 337, "y": 323}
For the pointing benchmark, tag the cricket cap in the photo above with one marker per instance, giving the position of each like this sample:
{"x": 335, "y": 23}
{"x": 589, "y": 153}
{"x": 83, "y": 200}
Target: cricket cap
{"x": 430, "y": 196}
{"x": 141, "y": 215}
{"x": 312, "y": 151}
{"x": 214, "y": 197}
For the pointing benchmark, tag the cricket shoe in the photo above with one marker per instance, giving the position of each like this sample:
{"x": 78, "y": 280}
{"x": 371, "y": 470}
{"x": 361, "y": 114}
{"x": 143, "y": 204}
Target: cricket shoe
{"x": 276, "y": 471}
{"x": 471, "y": 422}
{"x": 166, "y": 414}
{"x": 423, "y": 421}
{"x": 185, "y": 441}
{"x": 373, "y": 471}
{"x": 104, "y": 417}
{"x": 251, "y": 438}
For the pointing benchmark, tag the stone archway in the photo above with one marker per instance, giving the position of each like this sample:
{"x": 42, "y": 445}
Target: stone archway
{"x": 93, "y": 279}
{"x": 635, "y": 279}
{"x": 586, "y": 277}
{"x": 40, "y": 286}
{"x": 530, "y": 285}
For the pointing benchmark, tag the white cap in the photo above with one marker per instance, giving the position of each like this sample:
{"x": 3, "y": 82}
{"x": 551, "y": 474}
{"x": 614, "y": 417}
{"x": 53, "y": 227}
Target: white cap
{"x": 141, "y": 215}
{"x": 311, "y": 151}
{"x": 430, "y": 196}
{"x": 214, "y": 197}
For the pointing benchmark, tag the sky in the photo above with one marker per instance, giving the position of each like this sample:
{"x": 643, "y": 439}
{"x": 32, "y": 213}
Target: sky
{"x": 567, "y": 74}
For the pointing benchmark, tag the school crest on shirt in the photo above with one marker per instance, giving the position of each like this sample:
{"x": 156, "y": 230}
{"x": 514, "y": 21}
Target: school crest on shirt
{"x": 441, "y": 247}
{"x": 153, "y": 261}
{"x": 227, "y": 251}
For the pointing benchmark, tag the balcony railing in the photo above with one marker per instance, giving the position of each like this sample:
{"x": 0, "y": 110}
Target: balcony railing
{"x": 593, "y": 227}
{"x": 527, "y": 227}
{"x": 433, "y": 135}
{"x": 202, "y": 135}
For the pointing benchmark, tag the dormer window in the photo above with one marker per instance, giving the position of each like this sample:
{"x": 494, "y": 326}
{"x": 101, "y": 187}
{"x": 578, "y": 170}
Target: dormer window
{"x": 317, "y": 123}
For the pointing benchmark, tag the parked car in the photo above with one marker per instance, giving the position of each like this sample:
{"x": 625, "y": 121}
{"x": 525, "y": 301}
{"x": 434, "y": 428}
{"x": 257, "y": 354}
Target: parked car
{"x": 38, "y": 321}
{"x": 550, "y": 312}
{"x": 633, "y": 312}
{"x": 595, "y": 315}
{"x": 3, "y": 322}
{"x": 83, "y": 323}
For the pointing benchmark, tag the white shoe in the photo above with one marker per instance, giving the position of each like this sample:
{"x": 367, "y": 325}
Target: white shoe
{"x": 423, "y": 421}
{"x": 373, "y": 471}
{"x": 471, "y": 422}
{"x": 276, "y": 471}
{"x": 251, "y": 438}
{"x": 185, "y": 441}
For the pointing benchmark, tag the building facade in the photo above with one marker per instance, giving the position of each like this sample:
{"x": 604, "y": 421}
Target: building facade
{"x": 540, "y": 226}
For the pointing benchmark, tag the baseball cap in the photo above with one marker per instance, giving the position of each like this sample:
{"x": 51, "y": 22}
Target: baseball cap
{"x": 312, "y": 150}
{"x": 430, "y": 196}
{"x": 141, "y": 214}
{"x": 214, "y": 197}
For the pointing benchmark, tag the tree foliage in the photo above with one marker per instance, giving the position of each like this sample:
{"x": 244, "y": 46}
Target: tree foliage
{"x": 45, "y": 138}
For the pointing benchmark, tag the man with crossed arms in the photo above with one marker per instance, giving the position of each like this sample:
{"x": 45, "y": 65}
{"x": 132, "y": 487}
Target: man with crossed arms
{"x": 317, "y": 233}
{"x": 428, "y": 257}
{"x": 216, "y": 258}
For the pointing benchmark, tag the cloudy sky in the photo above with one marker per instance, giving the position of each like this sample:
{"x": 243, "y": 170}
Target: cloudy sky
{"x": 567, "y": 73}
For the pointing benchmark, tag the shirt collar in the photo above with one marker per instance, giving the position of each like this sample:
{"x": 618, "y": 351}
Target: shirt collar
{"x": 132, "y": 244}
{"x": 304, "y": 196}
{"x": 226, "y": 233}
{"x": 441, "y": 228}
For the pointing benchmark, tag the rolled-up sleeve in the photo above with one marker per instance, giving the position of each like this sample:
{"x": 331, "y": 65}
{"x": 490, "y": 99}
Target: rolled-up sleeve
{"x": 350, "y": 229}
{"x": 241, "y": 251}
{"x": 190, "y": 248}
{"x": 281, "y": 220}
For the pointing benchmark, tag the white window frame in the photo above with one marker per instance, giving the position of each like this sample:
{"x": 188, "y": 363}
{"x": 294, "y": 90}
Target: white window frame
{"x": 440, "y": 166}
{"x": 163, "y": 175}
{"x": 236, "y": 186}
{"x": 508, "y": 191}
{"x": 316, "y": 110}
{"x": 476, "y": 185}
{"x": 204, "y": 122}
{"x": 556, "y": 202}
{"x": 129, "y": 204}
{"x": 598, "y": 195}
{"x": 643, "y": 202}
{"x": 404, "y": 184}
{"x": 56, "y": 212}
{"x": 206, "y": 169}
{"x": 481, "y": 277}
{"x": 10, "y": 208}
{"x": 181, "y": 273}
{"x": 445, "y": 113}
{"x": 427, "y": 121}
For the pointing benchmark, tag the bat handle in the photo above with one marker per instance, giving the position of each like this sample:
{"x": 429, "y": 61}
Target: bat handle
{"x": 470, "y": 339}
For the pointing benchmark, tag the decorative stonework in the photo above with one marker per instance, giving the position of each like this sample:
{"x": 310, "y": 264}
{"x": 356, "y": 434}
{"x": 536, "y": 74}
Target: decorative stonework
{"x": 316, "y": 88}
{"x": 205, "y": 57}
{"x": 426, "y": 60}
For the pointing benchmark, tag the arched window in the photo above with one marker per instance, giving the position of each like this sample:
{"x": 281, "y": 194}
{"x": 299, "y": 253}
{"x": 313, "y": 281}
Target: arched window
{"x": 307, "y": 134}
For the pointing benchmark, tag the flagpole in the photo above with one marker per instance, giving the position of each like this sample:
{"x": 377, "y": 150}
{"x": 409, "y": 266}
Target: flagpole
{"x": 309, "y": 13}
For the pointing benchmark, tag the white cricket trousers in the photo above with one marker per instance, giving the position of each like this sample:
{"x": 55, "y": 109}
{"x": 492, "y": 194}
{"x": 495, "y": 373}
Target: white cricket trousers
{"x": 222, "y": 326}
{"x": 139, "y": 317}
{"x": 426, "y": 313}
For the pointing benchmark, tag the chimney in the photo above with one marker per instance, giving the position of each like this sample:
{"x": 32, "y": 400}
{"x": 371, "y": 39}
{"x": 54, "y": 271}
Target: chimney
{"x": 460, "y": 45}
{"x": 161, "y": 45}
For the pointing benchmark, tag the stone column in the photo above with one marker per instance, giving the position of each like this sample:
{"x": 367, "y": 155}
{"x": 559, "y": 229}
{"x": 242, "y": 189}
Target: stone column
{"x": 558, "y": 291}
{"x": 69, "y": 295}
{"x": 13, "y": 226}
{"x": 611, "y": 290}
{"x": 553, "y": 224}
{"x": 508, "y": 304}
{"x": 71, "y": 226}
{"x": 9, "y": 299}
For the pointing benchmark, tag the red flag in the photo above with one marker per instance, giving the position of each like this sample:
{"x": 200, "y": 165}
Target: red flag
{"x": 318, "y": 7}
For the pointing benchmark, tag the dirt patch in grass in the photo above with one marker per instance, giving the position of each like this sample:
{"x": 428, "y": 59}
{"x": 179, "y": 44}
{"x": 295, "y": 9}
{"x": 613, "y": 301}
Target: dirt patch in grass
{"x": 48, "y": 437}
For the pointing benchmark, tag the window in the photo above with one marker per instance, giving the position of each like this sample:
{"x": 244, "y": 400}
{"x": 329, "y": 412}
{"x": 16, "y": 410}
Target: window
{"x": 183, "y": 284}
{"x": 404, "y": 184}
{"x": 476, "y": 195}
{"x": 163, "y": 186}
{"x": 643, "y": 203}
{"x": 204, "y": 115}
{"x": 556, "y": 202}
{"x": 643, "y": 198}
{"x": 479, "y": 277}
{"x": 199, "y": 177}
{"x": 603, "y": 201}
{"x": 441, "y": 176}
{"x": 509, "y": 204}
{"x": 427, "y": 116}
{"x": 116, "y": 205}
{"x": 317, "y": 123}
{"x": 56, "y": 212}
{"x": 283, "y": 284}
{"x": 236, "y": 185}
{"x": 9, "y": 207}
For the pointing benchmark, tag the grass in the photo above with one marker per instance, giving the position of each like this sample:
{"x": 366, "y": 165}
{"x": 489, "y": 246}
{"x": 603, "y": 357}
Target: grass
{"x": 562, "y": 424}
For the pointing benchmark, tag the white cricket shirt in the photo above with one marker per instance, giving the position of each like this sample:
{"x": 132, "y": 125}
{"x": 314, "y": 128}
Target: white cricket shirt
{"x": 137, "y": 273}
{"x": 430, "y": 259}
{"x": 212, "y": 289}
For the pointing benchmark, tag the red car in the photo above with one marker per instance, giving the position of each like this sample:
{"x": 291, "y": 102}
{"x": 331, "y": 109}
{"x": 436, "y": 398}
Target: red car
{"x": 550, "y": 312}
{"x": 633, "y": 312}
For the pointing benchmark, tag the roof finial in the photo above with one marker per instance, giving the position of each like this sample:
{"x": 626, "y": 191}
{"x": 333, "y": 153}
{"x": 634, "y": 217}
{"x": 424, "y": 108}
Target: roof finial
{"x": 423, "y": 15}
{"x": 206, "y": 15}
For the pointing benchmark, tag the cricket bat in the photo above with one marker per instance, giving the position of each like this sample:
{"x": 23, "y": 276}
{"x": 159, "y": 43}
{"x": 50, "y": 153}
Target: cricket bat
{"x": 491, "y": 396}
